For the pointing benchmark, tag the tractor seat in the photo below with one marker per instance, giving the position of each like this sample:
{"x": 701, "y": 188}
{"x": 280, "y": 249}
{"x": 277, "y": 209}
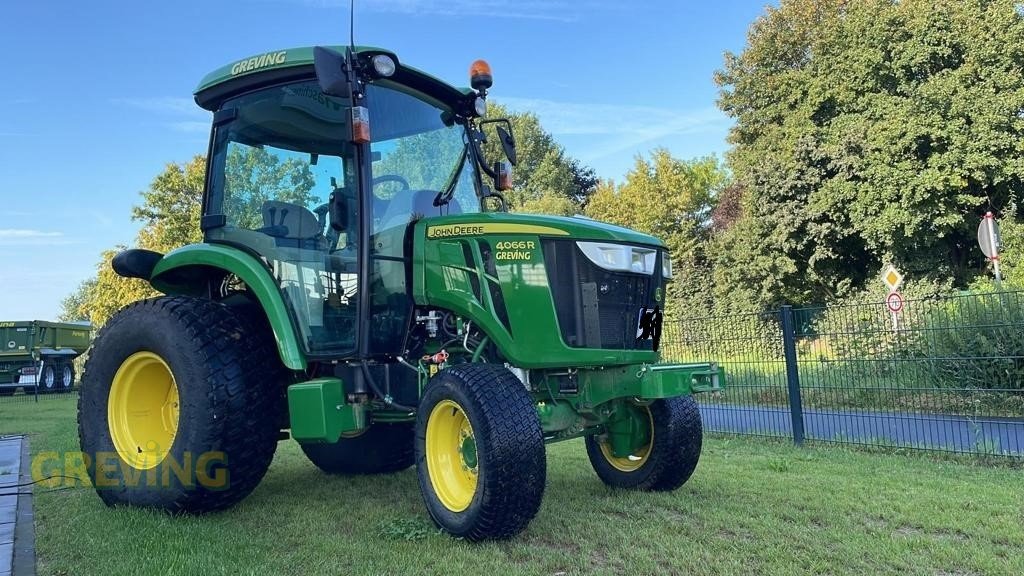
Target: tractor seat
{"x": 291, "y": 225}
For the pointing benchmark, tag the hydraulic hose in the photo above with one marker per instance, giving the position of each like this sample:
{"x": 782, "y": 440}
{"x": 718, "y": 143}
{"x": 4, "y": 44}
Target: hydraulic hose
{"x": 376, "y": 390}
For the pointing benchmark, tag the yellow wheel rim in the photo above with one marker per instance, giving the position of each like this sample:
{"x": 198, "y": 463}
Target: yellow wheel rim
{"x": 634, "y": 461}
{"x": 452, "y": 462}
{"x": 142, "y": 410}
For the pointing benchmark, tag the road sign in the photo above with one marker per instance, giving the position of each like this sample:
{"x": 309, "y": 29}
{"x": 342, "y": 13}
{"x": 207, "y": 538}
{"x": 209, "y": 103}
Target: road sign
{"x": 894, "y": 302}
{"x": 892, "y": 278}
{"x": 988, "y": 236}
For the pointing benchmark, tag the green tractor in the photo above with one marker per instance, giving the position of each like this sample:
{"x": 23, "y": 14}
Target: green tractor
{"x": 362, "y": 289}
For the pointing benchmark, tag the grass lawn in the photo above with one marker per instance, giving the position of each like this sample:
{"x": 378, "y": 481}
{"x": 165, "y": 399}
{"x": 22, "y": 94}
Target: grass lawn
{"x": 753, "y": 507}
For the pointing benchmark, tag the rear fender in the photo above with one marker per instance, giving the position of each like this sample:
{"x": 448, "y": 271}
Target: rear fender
{"x": 189, "y": 269}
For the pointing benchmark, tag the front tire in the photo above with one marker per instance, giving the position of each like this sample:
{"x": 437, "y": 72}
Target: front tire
{"x": 479, "y": 452}
{"x": 667, "y": 461}
{"x": 380, "y": 449}
{"x": 178, "y": 406}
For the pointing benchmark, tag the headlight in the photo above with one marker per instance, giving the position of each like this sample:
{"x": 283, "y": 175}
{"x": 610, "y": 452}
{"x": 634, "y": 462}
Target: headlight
{"x": 666, "y": 265}
{"x": 480, "y": 106}
{"x": 620, "y": 257}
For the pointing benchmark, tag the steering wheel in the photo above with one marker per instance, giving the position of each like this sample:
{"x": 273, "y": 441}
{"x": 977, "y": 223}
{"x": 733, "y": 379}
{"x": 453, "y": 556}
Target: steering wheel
{"x": 390, "y": 178}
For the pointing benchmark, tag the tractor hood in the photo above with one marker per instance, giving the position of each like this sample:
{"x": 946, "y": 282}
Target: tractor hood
{"x": 576, "y": 227}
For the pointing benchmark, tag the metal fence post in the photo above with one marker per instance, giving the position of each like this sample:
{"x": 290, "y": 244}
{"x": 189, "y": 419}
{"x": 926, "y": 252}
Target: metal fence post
{"x": 796, "y": 408}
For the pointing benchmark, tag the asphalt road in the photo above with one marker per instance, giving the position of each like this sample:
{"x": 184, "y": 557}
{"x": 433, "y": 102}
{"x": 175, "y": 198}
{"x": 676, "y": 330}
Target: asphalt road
{"x": 937, "y": 431}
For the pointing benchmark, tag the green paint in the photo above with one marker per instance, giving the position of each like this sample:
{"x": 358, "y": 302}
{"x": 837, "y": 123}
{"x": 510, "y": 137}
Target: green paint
{"x": 468, "y": 451}
{"x": 297, "y": 58}
{"x": 178, "y": 272}
{"x": 597, "y": 387}
{"x": 442, "y": 278}
{"x": 556, "y": 416}
{"x": 629, "y": 429}
{"x": 319, "y": 413}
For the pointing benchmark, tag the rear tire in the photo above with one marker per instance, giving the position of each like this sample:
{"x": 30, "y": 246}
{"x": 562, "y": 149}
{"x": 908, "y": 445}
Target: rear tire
{"x": 479, "y": 452}
{"x": 219, "y": 421}
{"x": 48, "y": 379}
{"x": 664, "y": 464}
{"x": 380, "y": 449}
{"x": 67, "y": 377}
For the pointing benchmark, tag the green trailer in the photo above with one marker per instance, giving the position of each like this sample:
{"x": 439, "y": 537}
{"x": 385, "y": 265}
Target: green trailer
{"x": 39, "y": 356}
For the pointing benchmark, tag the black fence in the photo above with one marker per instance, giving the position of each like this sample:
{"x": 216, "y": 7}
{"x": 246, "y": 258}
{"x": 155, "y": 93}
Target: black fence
{"x": 942, "y": 373}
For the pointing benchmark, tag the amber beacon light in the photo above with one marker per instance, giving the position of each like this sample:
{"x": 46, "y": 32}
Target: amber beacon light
{"x": 480, "y": 77}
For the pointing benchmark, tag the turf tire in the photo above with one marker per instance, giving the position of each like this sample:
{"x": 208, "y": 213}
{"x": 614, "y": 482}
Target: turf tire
{"x": 225, "y": 366}
{"x": 678, "y": 435}
{"x": 381, "y": 449}
{"x": 512, "y": 466}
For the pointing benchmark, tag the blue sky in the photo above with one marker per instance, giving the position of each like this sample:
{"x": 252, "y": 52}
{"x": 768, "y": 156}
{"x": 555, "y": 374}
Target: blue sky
{"x": 95, "y": 97}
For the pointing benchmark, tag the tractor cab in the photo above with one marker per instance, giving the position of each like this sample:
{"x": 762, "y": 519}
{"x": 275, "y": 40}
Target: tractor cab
{"x": 319, "y": 165}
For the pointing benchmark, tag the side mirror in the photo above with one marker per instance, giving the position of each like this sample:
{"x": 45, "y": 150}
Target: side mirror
{"x": 508, "y": 143}
{"x": 330, "y": 72}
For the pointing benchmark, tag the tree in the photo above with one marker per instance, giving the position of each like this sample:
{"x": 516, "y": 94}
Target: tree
{"x": 73, "y": 306}
{"x": 253, "y": 176}
{"x": 544, "y": 171}
{"x": 868, "y": 132}
{"x": 671, "y": 199}
{"x": 170, "y": 212}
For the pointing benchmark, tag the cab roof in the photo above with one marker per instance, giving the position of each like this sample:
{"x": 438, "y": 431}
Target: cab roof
{"x": 297, "y": 63}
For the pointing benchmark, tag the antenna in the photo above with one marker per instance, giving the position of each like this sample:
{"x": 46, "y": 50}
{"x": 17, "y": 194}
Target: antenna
{"x": 352, "y": 24}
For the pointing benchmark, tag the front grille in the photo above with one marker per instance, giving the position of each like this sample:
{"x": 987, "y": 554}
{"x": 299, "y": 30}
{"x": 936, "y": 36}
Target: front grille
{"x": 597, "y": 308}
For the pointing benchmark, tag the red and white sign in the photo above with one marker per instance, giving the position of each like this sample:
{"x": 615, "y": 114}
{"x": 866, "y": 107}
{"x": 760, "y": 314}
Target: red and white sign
{"x": 894, "y": 302}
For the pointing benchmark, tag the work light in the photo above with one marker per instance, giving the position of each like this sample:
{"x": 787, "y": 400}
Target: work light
{"x": 383, "y": 65}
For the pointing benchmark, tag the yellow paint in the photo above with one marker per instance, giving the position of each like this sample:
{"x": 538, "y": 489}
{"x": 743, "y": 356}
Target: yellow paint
{"x": 495, "y": 228}
{"x": 142, "y": 410}
{"x": 453, "y": 481}
{"x": 513, "y": 255}
{"x": 634, "y": 461}
{"x": 257, "y": 62}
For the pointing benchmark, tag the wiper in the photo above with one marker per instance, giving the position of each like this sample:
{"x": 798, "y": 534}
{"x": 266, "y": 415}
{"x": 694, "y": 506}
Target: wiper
{"x": 445, "y": 195}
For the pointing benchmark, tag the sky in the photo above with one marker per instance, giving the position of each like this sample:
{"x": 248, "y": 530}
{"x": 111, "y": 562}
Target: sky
{"x": 96, "y": 97}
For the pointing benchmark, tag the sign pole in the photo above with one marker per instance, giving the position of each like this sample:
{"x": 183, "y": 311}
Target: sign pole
{"x": 995, "y": 247}
{"x": 988, "y": 238}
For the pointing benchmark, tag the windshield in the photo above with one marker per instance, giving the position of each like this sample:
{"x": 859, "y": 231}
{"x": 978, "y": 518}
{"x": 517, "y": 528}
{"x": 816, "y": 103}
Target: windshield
{"x": 418, "y": 152}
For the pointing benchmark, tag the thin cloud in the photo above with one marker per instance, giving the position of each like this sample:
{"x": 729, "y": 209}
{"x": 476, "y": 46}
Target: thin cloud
{"x": 625, "y": 126}
{"x": 29, "y": 237}
{"x": 190, "y": 126}
{"x": 26, "y": 233}
{"x": 162, "y": 105}
{"x": 187, "y": 116}
{"x": 555, "y": 10}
